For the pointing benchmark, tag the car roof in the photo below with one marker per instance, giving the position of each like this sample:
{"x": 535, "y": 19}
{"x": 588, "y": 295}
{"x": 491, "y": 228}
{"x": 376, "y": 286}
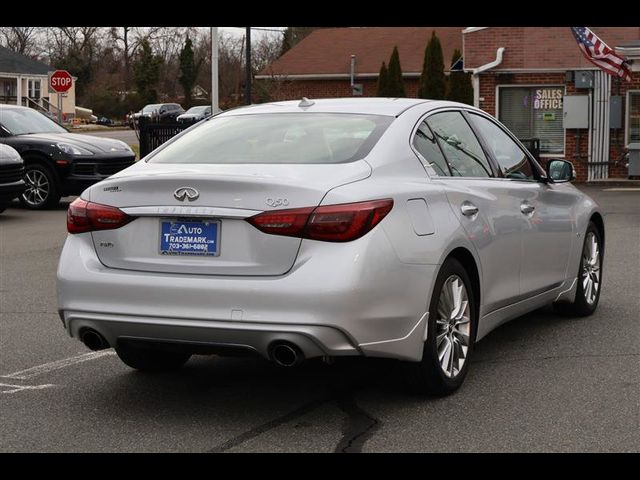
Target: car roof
{"x": 361, "y": 105}
{"x": 4, "y": 106}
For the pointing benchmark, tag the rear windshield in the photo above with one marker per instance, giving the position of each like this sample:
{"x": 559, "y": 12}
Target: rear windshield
{"x": 277, "y": 138}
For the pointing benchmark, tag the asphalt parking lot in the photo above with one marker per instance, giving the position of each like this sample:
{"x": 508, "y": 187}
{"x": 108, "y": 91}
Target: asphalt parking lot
{"x": 540, "y": 383}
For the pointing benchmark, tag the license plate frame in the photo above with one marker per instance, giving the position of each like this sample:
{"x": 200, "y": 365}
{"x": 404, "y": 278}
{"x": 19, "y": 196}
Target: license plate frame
{"x": 192, "y": 223}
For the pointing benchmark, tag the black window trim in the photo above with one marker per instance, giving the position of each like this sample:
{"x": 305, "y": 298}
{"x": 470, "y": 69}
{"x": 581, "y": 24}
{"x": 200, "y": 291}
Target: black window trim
{"x": 426, "y": 163}
{"x": 495, "y": 170}
{"x": 539, "y": 172}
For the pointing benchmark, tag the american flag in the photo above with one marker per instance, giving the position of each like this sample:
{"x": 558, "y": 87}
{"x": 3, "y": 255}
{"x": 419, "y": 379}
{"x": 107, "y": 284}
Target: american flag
{"x": 598, "y": 53}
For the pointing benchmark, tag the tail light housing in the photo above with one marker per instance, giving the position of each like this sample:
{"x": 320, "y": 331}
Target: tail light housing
{"x": 328, "y": 223}
{"x": 83, "y": 216}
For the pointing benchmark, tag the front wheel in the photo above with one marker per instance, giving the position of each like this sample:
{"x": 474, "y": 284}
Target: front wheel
{"x": 41, "y": 191}
{"x": 589, "y": 277}
{"x": 450, "y": 335}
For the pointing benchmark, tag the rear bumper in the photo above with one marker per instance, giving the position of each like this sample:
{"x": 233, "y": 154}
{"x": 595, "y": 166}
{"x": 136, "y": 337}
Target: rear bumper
{"x": 354, "y": 298}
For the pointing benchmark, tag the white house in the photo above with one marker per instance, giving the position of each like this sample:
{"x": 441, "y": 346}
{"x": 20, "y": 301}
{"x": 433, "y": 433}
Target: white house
{"x": 23, "y": 81}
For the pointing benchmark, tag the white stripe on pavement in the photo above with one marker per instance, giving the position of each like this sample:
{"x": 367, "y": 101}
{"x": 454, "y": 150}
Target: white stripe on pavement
{"x": 57, "y": 365}
{"x": 622, "y": 189}
{"x": 18, "y": 388}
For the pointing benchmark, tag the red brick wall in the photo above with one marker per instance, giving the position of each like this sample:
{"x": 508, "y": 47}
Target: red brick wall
{"x": 536, "y": 47}
{"x": 489, "y": 81}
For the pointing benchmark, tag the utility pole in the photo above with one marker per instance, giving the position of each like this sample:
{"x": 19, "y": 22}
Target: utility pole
{"x": 247, "y": 83}
{"x": 214, "y": 70}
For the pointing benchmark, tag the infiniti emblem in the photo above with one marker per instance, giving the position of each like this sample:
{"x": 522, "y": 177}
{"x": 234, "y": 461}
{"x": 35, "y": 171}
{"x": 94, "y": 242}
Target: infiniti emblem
{"x": 189, "y": 193}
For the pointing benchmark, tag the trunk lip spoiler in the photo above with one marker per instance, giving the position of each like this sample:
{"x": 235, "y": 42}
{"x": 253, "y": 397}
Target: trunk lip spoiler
{"x": 189, "y": 211}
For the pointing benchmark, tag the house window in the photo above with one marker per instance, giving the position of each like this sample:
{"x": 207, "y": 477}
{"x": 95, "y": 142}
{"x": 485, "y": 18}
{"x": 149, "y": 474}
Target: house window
{"x": 34, "y": 89}
{"x": 633, "y": 122}
{"x": 534, "y": 112}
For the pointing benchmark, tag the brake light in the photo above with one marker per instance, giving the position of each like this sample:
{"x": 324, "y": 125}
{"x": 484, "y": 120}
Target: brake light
{"x": 328, "y": 223}
{"x": 84, "y": 216}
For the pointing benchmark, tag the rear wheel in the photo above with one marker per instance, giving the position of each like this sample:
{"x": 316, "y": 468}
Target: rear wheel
{"x": 41, "y": 191}
{"x": 451, "y": 332}
{"x": 151, "y": 359}
{"x": 589, "y": 277}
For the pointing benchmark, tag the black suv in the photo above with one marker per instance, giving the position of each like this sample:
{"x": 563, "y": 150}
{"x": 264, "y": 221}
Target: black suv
{"x": 58, "y": 163}
{"x": 11, "y": 171}
{"x": 158, "y": 112}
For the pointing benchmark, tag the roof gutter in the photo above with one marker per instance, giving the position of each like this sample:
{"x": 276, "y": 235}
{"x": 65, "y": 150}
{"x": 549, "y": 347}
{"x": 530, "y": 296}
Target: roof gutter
{"x": 490, "y": 65}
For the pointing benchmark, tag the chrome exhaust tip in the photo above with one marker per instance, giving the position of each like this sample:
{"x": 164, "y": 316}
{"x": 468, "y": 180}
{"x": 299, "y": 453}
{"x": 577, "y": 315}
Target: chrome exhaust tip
{"x": 286, "y": 354}
{"x": 93, "y": 340}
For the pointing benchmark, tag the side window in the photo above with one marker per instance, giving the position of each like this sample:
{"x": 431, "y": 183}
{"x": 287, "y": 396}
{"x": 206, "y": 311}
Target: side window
{"x": 460, "y": 145}
{"x": 513, "y": 162}
{"x": 425, "y": 142}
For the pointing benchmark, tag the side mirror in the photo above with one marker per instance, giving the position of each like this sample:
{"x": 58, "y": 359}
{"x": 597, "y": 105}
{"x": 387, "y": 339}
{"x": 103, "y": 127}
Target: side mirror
{"x": 560, "y": 171}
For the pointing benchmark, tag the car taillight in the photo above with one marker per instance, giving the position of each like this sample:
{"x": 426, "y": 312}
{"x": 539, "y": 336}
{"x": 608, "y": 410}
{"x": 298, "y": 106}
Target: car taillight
{"x": 329, "y": 223}
{"x": 84, "y": 216}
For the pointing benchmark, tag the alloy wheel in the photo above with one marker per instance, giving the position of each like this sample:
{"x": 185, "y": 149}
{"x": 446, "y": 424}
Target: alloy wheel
{"x": 453, "y": 324}
{"x": 591, "y": 268}
{"x": 38, "y": 188}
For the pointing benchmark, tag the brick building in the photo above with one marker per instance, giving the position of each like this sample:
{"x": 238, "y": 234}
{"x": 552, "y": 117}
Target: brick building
{"x": 524, "y": 75}
{"x": 320, "y": 65}
{"x": 521, "y": 75}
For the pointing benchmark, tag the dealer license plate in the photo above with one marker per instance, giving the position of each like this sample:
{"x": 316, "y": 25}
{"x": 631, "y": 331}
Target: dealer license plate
{"x": 190, "y": 237}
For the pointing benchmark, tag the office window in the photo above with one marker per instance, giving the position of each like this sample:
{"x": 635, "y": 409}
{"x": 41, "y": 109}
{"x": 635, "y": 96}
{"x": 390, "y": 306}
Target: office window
{"x": 534, "y": 112}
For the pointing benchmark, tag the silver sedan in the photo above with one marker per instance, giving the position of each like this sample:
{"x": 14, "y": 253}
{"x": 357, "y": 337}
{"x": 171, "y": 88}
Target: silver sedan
{"x": 398, "y": 228}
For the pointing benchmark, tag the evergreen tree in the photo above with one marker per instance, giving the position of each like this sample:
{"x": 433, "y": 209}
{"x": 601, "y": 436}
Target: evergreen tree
{"x": 146, "y": 72}
{"x": 459, "y": 87}
{"x": 395, "y": 83}
{"x": 432, "y": 83}
{"x": 188, "y": 71}
{"x": 383, "y": 81}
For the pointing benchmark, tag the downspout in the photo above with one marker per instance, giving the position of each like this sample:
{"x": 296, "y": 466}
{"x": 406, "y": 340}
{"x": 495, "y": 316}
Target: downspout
{"x": 475, "y": 79}
{"x": 353, "y": 70}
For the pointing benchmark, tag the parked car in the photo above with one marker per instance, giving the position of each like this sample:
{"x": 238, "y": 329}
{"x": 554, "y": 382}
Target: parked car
{"x": 157, "y": 112}
{"x": 398, "y": 228}
{"x": 11, "y": 172}
{"x": 58, "y": 163}
{"x": 105, "y": 121}
{"x": 195, "y": 114}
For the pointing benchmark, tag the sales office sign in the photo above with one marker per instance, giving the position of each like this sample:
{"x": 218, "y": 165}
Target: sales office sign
{"x": 547, "y": 99}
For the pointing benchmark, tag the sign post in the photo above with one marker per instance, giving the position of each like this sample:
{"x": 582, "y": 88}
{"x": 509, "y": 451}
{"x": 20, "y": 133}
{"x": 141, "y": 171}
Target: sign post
{"x": 60, "y": 81}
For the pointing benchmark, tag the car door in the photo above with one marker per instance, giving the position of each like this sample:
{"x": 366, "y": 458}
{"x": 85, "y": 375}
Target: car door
{"x": 546, "y": 209}
{"x": 486, "y": 208}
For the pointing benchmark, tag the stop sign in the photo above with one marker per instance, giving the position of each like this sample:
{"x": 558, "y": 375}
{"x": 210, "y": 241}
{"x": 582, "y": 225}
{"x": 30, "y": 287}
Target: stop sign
{"x": 60, "y": 81}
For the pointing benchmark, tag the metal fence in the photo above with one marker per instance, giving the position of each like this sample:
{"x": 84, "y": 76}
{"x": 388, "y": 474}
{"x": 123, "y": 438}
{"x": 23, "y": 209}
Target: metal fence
{"x": 153, "y": 134}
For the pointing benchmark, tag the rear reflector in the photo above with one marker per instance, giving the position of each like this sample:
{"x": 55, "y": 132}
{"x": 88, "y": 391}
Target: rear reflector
{"x": 328, "y": 223}
{"x": 84, "y": 216}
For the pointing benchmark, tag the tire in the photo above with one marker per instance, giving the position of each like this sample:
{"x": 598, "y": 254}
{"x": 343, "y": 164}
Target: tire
{"x": 150, "y": 359}
{"x": 586, "y": 301}
{"x": 429, "y": 375}
{"x": 3, "y": 206}
{"x": 42, "y": 188}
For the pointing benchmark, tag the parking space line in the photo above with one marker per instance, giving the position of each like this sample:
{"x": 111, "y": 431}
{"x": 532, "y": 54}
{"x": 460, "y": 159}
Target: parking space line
{"x": 18, "y": 388}
{"x": 57, "y": 365}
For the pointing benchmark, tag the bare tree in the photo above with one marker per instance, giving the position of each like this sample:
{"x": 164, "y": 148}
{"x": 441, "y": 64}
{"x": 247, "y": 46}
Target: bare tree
{"x": 20, "y": 39}
{"x": 127, "y": 40}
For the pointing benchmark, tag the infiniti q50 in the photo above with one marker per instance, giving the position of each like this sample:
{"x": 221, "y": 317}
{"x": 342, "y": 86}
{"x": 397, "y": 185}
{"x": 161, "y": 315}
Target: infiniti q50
{"x": 398, "y": 228}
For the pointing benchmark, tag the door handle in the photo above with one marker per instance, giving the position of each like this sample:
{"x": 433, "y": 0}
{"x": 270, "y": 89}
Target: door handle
{"x": 527, "y": 208}
{"x": 468, "y": 209}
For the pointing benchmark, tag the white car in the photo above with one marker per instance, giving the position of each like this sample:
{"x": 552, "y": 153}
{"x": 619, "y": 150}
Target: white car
{"x": 397, "y": 228}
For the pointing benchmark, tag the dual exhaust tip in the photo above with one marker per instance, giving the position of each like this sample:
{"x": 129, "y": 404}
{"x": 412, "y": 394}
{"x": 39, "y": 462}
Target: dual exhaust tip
{"x": 286, "y": 354}
{"x": 93, "y": 340}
